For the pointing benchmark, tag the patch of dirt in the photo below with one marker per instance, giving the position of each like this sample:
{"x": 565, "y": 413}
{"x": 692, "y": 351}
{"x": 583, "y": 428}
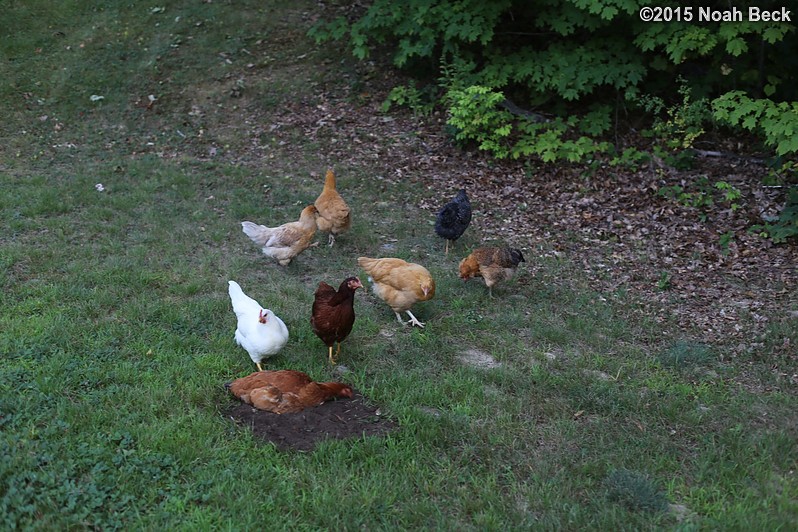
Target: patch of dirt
{"x": 341, "y": 419}
{"x": 478, "y": 359}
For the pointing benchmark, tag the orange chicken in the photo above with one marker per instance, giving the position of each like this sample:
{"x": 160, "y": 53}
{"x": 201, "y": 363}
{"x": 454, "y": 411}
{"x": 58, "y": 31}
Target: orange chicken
{"x": 285, "y": 391}
{"x": 334, "y": 214}
{"x": 492, "y": 264}
{"x": 286, "y": 241}
{"x": 400, "y": 284}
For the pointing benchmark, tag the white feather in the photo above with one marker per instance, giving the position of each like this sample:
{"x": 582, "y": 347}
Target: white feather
{"x": 260, "y": 340}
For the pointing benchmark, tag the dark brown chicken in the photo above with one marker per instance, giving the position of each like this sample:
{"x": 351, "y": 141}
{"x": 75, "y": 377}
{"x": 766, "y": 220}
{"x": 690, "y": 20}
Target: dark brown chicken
{"x": 285, "y": 391}
{"x": 333, "y": 313}
{"x": 492, "y": 264}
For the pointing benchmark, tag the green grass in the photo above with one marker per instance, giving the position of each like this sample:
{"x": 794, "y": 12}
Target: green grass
{"x": 116, "y": 329}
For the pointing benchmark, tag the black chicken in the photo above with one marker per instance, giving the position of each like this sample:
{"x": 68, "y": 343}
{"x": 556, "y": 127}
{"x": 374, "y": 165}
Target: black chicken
{"x": 454, "y": 218}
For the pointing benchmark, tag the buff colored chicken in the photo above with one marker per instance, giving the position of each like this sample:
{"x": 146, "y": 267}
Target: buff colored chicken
{"x": 492, "y": 264}
{"x": 400, "y": 284}
{"x": 285, "y": 391}
{"x": 334, "y": 214}
{"x": 286, "y": 241}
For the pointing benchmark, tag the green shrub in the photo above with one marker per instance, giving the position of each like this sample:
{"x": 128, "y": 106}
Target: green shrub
{"x": 593, "y": 59}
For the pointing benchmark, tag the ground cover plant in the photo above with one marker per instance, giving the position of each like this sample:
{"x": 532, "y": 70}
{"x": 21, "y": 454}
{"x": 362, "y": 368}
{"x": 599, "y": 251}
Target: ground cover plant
{"x": 135, "y": 141}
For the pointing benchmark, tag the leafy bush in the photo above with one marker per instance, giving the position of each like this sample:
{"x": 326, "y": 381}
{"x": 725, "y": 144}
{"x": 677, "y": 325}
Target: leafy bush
{"x": 776, "y": 122}
{"x": 590, "y": 58}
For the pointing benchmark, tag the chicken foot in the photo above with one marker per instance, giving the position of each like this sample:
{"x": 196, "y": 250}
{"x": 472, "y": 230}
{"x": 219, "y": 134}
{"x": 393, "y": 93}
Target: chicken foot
{"x": 331, "y": 240}
{"x": 332, "y": 358}
{"x": 413, "y": 320}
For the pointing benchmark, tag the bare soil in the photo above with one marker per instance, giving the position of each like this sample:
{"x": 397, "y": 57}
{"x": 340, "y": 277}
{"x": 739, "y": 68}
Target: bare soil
{"x": 340, "y": 419}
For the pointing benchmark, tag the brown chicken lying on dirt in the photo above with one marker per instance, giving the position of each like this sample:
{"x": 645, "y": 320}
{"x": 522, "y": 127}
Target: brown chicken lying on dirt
{"x": 286, "y": 241}
{"x": 334, "y": 214}
{"x": 333, "y": 313}
{"x": 400, "y": 284}
{"x": 492, "y": 264}
{"x": 285, "y": 391}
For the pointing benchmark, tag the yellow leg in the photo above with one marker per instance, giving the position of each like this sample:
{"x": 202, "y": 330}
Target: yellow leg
{"x": 259, "y": 366}
{"x": 332, "y": 360}
{"x": 447, "y": 247}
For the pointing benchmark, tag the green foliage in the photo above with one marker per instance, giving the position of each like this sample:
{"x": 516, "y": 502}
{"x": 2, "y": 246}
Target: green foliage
{"x": 684, "y": 121}
{"x": 776, "y": 122}
{"x": 700, "y": 198}
{"x": 701, "y": 194}
{"x": 664, "y": 281}
{"x": 474, "y": 112}
{"x": 409, "y": 96}
{"x": 564, "y": 56}
{"x": 786, "y": 226}
{"x": 730, "y": 194}
{"x": 635, "y": 490}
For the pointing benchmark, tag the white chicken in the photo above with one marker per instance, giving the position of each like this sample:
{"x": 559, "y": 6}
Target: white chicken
{"x": 259, "y": 330}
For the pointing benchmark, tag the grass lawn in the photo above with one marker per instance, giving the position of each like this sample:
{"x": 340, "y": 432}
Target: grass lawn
{"x": 116, "y": 330}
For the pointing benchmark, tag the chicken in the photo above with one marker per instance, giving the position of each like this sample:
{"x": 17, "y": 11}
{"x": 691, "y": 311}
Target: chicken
{"x": 400, "y": 284}
{"x": 286, "y": 241}
{"x": 259, "y": 331}
{"x": 334, "y": 214}
{"x": 492, "y": 264}
{"x": 285, "y": 391}
{"x": 454, "y": 218}
{"x": 333, "y": 313}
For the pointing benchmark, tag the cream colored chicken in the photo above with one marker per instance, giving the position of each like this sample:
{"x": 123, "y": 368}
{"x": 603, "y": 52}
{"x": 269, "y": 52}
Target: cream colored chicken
{"x": 286, "y": 241}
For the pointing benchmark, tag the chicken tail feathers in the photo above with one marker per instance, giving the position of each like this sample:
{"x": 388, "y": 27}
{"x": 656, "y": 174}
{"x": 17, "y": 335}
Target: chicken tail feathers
{"x": 516, "y": 255}
{"x": 329, "y": 179}
{"x": 257, "y": 233}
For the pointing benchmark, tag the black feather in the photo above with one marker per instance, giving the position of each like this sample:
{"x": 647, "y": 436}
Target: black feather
{"x": 454, "y": 218}
{"x": 516, "y": 256}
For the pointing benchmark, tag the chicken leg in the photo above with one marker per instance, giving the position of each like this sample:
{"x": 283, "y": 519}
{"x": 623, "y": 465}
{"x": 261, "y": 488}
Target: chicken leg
{"x": 332, "y": 360}
{"x": 331, "y": 240}
{"x": 413, "y": 320}
{"x": 446, "y": 252}
{"x": 259, "y": 366}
